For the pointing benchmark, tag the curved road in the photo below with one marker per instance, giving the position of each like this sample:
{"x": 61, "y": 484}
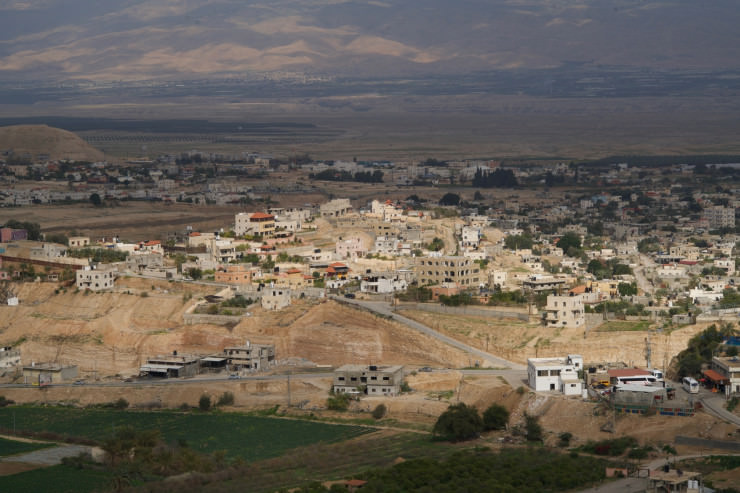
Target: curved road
{"x": 384, "y": 309}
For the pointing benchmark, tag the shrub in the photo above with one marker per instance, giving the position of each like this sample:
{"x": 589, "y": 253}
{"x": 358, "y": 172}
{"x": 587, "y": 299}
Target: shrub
{"x": 121, "y": 403}
{"x": 144, "y": 294}
{"x": 204, "y": 403}
{"x": 564, "y": 439}
{"x": 226, "y": 399}
{"x": 5, "y": 402}
{"x": 459, "y": 422}
{"x": 496, "y": 417}
{"x": 533, "y": 428}
{"x": 338, "y": 402}
{"x": 379, "y": 411}
{"x": 521, "y": 390}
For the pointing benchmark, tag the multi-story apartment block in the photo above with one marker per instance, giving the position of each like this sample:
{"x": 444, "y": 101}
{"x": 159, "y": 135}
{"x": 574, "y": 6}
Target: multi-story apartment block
{"x": 254, "y": 224}
{"x": 720, "y": 217}
{"x": 250, "y": 356}
{"x": 95, "y": 279}
{"x": 565, "y": 311}
{"x": 436, "y": 270}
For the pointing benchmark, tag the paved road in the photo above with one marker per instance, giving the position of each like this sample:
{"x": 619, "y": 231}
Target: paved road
{"x": 384, "y": 309}
{"x": 715, "y": 404}
{"x": 49, "y": 456}
{"x": 171, "y": 381}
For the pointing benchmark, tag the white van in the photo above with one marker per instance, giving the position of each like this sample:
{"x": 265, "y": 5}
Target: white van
{"x": 690, "y": 385}
{"x": 657, "y": 374}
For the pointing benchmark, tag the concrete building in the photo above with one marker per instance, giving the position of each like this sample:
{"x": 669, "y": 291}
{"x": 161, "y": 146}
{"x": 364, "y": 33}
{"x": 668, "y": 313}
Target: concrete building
{"x": 470, "y": 237}
{"x": 171, "y": 366}
{"x": 250, "y": 356}
{"x": 48, "y": 252}
{"x": 95, "y": 279}
{"x": 720, "y": 217}
{"x": 437, "y": 270}
{"x": 48, "y": 373}
{"x": 335, "y": 208}
{"x": 565, "y": 311}
{"x": 78, "y": 242}
{"x": 351, "y": 247}
{"x": 383, "y": 284}
{"x": 729, "y": 369}
{"x": 538, "y": 283}
{"x": 254, "y": 224}
{"x": 9, "y": 357}
{"x": 234, "y": 274}
{"x": 556, "y": 374}
{"x": 10, "y": 234}
{"x": 373, "y": 379}
{"x": 275, "y": 298}
{"x": 140, "y": 261}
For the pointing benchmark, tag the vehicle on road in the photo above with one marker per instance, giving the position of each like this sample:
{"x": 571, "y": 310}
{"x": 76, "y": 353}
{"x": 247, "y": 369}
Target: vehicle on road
{"x": 690, "y": 385}
{"x": 234, "y": 377}
{"x": 79, "y": 382}
{"x": 349, "y": 295}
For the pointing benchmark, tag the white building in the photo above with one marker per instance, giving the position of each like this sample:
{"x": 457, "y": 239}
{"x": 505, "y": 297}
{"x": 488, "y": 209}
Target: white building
{"x": 471, "y": 237}
{"x": 351, "y": 247}
{"x": 276, "y": 298}
{"x": 565, "y": 311}
{"x": 556, "y": 374}
{"x": 383, "y": 284}
{"x": 95, "y": 279}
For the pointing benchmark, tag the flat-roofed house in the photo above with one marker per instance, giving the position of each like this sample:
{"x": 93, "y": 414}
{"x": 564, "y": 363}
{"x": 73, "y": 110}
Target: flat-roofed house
{"x": 372, "y": 379}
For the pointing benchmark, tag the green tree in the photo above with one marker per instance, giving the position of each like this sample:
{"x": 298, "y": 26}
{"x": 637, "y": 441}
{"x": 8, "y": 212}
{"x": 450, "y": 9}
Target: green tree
{"x": 568, "y": 241}
{"x": 195, "y": 273}
{"x": 379, "y": 411}
{"x": 627, "y": 289}
{"x": 459, "y": 422}
{"x": 518, "y": 242}
{"x": 204, "y": 403}
{"x": 533, "y": 428}
{"x": 450, "y": 199}
{"x": 496, "y": 417}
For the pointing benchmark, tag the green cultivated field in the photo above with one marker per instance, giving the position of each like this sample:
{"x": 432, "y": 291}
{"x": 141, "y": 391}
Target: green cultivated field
{"x": 11, "y": 447}
{"x": 63, "y": 478}
{"x": 250, "y": 437}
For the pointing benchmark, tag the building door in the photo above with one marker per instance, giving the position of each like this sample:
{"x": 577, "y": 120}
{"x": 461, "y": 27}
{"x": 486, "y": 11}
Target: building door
{"x": 552, "y": 386}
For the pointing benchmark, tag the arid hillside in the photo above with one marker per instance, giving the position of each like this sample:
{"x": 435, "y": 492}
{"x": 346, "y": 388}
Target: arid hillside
{"x": 39, "y": 140}
{"x": 114, "y": 333}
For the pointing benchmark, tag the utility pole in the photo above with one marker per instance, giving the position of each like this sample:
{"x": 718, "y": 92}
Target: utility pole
{"x": 648, "y": 351}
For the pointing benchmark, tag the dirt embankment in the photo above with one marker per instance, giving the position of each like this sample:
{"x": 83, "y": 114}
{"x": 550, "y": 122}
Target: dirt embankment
{"x": 114, "y": 333}
{"x": 516, "y": 340}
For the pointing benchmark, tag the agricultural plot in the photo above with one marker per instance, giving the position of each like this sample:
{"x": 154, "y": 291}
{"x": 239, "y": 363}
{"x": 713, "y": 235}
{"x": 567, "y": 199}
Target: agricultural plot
{"x": 250, "y": 437}
{"x": 13, "y": 447}
{"x": 63, "y": 478}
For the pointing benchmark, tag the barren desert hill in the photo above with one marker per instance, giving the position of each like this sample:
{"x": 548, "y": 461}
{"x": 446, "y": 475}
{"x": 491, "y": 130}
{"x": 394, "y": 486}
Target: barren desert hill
{"x": 114, "y": 333}
{"x": 38, "y": 140}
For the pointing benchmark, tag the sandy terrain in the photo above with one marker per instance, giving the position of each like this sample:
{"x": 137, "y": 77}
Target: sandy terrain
{"x": 517, "y": 340}
{"x": 111, "y": 333}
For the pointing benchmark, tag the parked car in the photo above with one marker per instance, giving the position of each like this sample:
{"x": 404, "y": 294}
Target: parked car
{"x": 349, "y": 295}
{"x": 79, "y": 382}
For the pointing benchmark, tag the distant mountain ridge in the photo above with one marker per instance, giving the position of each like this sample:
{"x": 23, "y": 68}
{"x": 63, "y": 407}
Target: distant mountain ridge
{"x": 145, "y": 39}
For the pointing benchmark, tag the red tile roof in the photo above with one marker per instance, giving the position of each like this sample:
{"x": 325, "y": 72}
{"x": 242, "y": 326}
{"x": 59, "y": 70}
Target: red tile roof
{"x": 194, "y": 233}
{"x": 714, "y": 376}
{"x": 261, "y": 215}
{"x": 152, "y": 243}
